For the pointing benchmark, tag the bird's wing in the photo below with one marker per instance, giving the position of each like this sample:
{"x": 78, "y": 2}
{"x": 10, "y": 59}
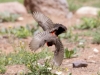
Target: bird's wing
{"x": 41, "y": 38}
{"x": 58, "y": 53}
{"x": 37, "y": 41}
{"x": 43, "y": 21}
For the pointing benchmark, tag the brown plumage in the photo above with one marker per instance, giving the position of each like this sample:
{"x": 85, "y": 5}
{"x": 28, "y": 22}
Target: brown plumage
{"x": 49, "y": 36}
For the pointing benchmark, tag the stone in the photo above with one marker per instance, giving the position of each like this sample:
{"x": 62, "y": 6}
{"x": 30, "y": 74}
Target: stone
{"x": 77, "y": 64}
{"x": 54, "y": 7}
{"x": 88, "y": 11}
{"x": 95, "y": 50}
{"x": 92, "y": 61}
{"x": 59, "y": 72}
{"x": 13, "y": 7}
{"x": 20, "y": 19}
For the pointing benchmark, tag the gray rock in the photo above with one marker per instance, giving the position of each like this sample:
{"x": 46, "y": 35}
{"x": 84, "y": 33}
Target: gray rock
{"x": 78, "y": 64}
{"x": 13, "y": 7}
{"x": 54, "y": 7}
{"x": 87, "y": 11}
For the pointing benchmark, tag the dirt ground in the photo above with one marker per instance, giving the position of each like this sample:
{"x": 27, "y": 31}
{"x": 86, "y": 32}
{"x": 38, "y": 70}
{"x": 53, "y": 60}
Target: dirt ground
{"x": 87, "y": 54}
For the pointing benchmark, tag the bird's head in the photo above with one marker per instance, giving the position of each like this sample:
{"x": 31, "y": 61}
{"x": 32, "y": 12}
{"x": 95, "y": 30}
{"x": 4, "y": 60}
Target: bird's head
{"x": 59, "y": 28}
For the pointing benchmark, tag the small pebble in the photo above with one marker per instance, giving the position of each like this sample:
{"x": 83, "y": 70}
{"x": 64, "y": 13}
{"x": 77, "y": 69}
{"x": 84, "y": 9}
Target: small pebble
{"x": 20, "y": 19}
{"x": 95, "y": 50}
{"x": 78, "y": 64}
{"x": 92, "y": 61}
{"x": 59, "y": 72}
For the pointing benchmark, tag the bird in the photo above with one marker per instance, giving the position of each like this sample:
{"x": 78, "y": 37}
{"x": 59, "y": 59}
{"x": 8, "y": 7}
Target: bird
{"x": 48, "y": 36}
{"x": 47, "y": 24}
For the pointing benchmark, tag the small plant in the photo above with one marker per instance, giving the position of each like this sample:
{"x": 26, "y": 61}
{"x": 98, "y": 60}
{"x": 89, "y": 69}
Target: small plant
{"x": 2, "y": 31}
{"x": 63, "y": 35}
{"x": 2, "y": 69}
{"x": 39, "y": 69}
{"x": 96, "y": 38}
{"x": 8, "y": 17}
{"x": 89, "y": 23}
{"x": 22, "y": 56}
{"x": 70, "y": 74}
{"x": 2, "y": 1}
{"x": 70, "y": 53}
{"x": 72, "y": 6}
{"x": 69, "y": 35}
{"x": 2, "y": 63}
{"x": 22, "y": 32}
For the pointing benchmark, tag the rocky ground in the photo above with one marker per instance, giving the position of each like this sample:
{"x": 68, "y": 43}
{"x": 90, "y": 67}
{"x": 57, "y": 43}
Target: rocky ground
{"x": 87, "y": 54}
